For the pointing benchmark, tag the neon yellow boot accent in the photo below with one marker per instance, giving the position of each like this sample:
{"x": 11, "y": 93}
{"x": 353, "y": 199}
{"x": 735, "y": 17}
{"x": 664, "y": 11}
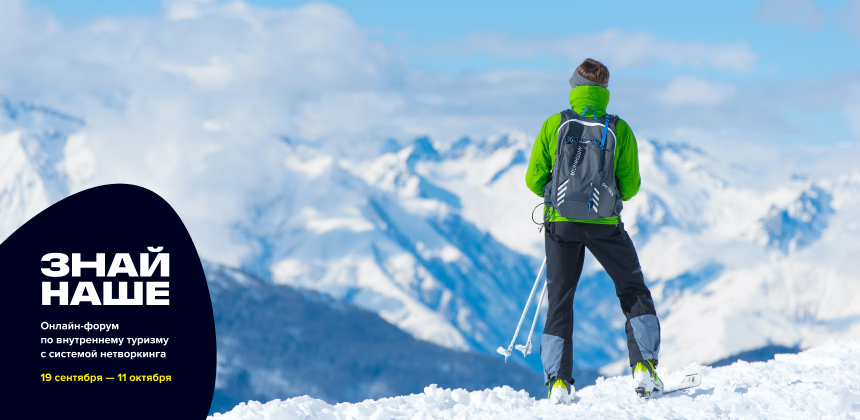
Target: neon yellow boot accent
{"x": 557, "y": 383}
{"x": 642, "y": 367}
{"x": 649, "y": 383}
{"x": 561, "y": 392}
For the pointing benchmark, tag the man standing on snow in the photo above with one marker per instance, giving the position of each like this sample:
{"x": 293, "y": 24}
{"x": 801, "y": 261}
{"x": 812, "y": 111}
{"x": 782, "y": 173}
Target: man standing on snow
{"x": 599, "y": 160}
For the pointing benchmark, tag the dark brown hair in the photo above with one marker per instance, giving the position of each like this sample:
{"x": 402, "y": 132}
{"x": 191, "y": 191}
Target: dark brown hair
{"x": 593, "y": 70}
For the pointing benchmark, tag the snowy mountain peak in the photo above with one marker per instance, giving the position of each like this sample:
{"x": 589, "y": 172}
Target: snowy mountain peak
{"x": 458, "y": 148}
{"x": 801, "y": 222}
{"x": 422, "y": 149}
{"x": 33, "y": 160}
{"x": 32, "y": 115}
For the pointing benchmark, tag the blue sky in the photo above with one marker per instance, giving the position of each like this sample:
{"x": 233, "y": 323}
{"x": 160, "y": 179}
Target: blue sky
{"x": 764, "y": 71}
{"x": 794, "y": 39}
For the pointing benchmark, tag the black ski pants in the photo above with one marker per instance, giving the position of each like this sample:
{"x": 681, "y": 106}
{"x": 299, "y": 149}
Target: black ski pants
{"x": 565, "y": 250}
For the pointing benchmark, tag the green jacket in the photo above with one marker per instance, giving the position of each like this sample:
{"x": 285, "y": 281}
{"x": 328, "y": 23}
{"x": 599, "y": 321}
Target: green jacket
{"x": 626, "y": 158}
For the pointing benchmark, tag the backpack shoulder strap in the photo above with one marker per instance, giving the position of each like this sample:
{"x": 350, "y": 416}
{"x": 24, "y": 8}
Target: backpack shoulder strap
{"x": 568, "y": 114}
{"x": 613, "y": 119}
{"x": 609, "y": 123}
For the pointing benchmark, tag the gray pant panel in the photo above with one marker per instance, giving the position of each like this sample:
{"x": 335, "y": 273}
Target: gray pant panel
{"x": 551, "y": 351}
{"x": 646, "y": 331}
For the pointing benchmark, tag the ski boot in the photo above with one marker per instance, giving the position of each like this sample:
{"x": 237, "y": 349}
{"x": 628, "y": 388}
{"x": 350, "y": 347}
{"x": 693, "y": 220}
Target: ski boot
{"x": 649, "y": 385}
{"x": 560, "y": 391}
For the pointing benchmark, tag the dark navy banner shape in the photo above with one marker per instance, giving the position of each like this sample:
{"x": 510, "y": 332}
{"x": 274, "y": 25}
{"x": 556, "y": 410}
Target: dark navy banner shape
{"x": 133, "y": 361}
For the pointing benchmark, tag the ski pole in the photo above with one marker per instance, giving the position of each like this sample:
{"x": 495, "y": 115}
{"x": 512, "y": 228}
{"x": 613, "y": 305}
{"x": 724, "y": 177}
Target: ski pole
{"x": 507, "y": 353}
{"x": 527, "y": 349}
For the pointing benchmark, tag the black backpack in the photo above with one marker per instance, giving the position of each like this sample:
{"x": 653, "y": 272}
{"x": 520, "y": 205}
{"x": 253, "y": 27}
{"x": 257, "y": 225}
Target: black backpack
{"x": 583, "y": 184}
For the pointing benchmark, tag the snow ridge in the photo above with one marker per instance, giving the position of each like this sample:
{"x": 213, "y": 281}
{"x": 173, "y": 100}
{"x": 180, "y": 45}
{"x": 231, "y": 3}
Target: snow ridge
{"x": 822, "y": 382}
{"x": 276, "y": 341}
{"x": 33, "y": 160}
{"x": 378, "y": 234}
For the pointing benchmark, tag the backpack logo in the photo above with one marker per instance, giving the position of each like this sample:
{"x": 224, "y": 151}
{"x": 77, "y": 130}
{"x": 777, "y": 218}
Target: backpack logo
{"x": 608, "y": 189}
{"x": 576, "y": 160}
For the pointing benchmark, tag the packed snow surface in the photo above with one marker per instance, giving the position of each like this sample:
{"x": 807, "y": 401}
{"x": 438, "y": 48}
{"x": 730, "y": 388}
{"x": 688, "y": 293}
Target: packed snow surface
{"x": 823, "y": 382}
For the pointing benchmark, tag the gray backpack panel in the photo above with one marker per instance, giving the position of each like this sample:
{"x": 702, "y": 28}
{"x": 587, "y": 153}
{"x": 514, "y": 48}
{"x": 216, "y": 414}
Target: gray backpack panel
{"x": 583, "y": 184}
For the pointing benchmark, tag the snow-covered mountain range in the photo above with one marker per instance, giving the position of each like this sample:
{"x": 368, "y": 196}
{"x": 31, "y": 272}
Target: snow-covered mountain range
{"x": 733, "y": 265}
{"x": 438, "y": 241}
{"x": 275, "y": 341}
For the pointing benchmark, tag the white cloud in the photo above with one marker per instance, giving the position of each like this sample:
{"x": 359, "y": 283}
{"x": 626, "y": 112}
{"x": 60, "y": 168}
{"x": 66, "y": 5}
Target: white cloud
{"x": 185, "y": 9}
{"x": 804, "y": 13}
{"x": 616, "y": 49}
{"x": 212, "y": 75}
{"x": 17, "y": 19}
{"x": 191, "y": 105}
{"x": 687, "y": 90}
{"x": 215, "y": 125}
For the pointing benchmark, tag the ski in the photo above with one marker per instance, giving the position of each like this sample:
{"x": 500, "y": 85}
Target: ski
{"x": 690, "y": 381}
